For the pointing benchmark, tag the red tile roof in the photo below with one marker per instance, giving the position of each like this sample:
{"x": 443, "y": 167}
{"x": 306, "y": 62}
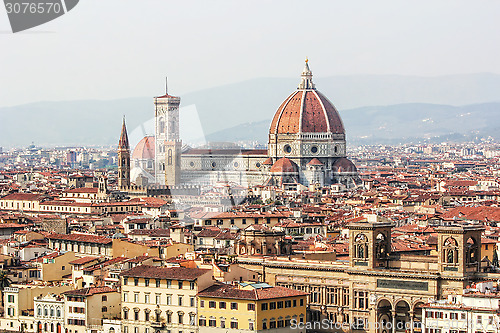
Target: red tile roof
{"x": 23, "y": 196}
{"x": 145, "y": 149}
{"x": 89, "y": 291}
{"x": 233, "y": 292}
{"x": 83, "y": 190}
{"x": 82, "y": 261}
{"x": 84, "y": 238}
{"x": 172, "y": 273}
{"x": 284, "y": 165}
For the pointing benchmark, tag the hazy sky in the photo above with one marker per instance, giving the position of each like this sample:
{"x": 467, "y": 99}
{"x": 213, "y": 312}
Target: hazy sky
{"x": 107, "y": 49}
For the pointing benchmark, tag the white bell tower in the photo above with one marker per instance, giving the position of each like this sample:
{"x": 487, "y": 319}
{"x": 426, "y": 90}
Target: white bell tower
{"x": 167, "y": 140}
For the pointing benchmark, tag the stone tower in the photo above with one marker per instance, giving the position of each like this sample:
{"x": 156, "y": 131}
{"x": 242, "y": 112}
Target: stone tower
{"x": 102, "y": 188}
{"x": 459, "y": 249}
{"x": 167, "y": 140}
{"x": 369, "y": 243}
{"x": 123, "y": 158}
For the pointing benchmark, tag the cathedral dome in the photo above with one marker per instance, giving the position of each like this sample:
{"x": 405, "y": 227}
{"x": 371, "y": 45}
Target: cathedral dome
{"x": 284, "y": 165}
{"x": 306, "y": 110}
{"x": 344, "y": 165}
{"x": 145, "y": 149}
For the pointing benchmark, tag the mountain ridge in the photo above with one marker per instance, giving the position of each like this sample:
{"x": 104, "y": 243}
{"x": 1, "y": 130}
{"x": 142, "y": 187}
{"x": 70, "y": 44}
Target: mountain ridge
{"x": 97, "y": 122}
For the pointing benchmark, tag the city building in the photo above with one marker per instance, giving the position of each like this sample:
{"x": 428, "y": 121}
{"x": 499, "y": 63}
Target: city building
{"x": 162, "y": 298}
{"x": 49, "y": 313}
{"x": 376, "y": 285}
{"x": 255, "y": 307}
{"x": 306, "y": 146}
{"x": 477, "y": 310}
{"x": 86, "y": 308}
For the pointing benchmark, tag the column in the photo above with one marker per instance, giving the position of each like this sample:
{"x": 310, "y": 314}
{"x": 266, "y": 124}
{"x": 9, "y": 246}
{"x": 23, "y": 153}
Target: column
{"x": 411, "y": 321}
{"x": 393, "y": 312}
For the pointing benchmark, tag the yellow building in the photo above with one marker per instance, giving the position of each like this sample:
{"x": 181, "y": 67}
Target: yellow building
{"x": 162, "y": 298}
{"x": 54, "y": 266}
{"x": 164, "y": 250}
{"x": 86, "y": 308}
{"x": 255, "y": 307}
{"x": 19, "y": 305}
{"x": 488, "y": 246}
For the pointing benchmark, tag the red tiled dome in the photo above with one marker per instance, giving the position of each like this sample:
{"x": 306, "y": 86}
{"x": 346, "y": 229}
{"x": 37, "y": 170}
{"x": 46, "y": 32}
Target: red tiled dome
{"x": 145, "y": 149}
{"x": 284, "y": 165}
{"x": 344, "y": 165}
{"x": 306, "y": 111}
{"x": 315, "y": 161}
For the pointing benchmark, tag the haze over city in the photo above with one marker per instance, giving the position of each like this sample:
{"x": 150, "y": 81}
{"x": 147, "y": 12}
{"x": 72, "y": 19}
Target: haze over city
{"x": 311, "y": 167}
{"x": 123, "y": 48}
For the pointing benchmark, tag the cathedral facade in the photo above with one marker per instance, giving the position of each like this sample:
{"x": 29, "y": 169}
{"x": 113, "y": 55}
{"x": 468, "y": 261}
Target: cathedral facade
{"x": 306, "y": 146}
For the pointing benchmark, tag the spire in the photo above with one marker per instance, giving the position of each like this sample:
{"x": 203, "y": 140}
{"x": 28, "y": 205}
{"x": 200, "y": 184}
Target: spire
{"x": 123, "y": 143}
{"x": 306, "y": 77}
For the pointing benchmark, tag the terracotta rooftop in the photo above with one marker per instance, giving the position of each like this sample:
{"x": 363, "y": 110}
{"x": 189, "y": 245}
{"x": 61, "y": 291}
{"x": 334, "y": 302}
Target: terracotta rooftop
{"x": 173, "y": 273}
{"x": 82, "y": 261}
{"x": 233, "y": 292}
{"x": 89, "y": 291}
{"x": 86, "y": 238}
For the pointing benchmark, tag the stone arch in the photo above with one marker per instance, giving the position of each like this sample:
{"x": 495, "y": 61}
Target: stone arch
{"x": 402, "y": 312}
{"x": 450, "y": 251}
{"x": 384, "y": 315}
{"x": 381, "y": 246}
{"x": 361, "y": 246}
{"x": 471, "y": 251}
{"x": 418, "y": 312}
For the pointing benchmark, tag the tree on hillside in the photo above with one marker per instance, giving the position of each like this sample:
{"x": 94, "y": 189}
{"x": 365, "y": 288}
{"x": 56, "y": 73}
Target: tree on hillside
{"x": 495, "y": 258}
{"x": 5, "y": 281}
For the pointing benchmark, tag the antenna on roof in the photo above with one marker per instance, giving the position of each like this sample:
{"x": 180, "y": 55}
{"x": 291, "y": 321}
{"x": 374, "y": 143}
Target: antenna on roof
{"x": 166, "y": 85}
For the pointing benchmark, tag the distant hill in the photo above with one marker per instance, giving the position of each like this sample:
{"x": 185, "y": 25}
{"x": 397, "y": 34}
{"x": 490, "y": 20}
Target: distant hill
{"x": 222, "y": 110}
{"x": 396, "y": 123}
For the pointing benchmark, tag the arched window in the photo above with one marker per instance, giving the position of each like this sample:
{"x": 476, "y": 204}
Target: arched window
{"x": 39, "y": 311}
{"x": 125, "y": 313}
{"x": 169, "y": 158}
{"x": 450, "y": 251}
{"x": 361, "y": 246}
{"x": 471, "y": 251}
{"x": 58, "y": 313}
{"x": 161, "y": 125}
{"x": 169, "y": 317}
{"x": 381, "y": 246}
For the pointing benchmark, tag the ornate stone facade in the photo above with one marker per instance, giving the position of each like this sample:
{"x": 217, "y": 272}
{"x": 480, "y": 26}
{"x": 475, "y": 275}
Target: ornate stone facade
{"x": 306, "y": 130}
{"x": 377, "y": 290}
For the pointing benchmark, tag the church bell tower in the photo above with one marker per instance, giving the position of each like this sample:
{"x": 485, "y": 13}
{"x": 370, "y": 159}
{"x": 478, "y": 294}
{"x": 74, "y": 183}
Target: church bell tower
{"x": 123, "y": 158}
{"x": 167, "y": 140}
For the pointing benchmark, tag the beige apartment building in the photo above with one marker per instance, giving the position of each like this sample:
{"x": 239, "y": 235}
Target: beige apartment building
{"x": 162, "y": 298}
{"x": 86, "y": 309}
{"x": 19, "y": 305}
